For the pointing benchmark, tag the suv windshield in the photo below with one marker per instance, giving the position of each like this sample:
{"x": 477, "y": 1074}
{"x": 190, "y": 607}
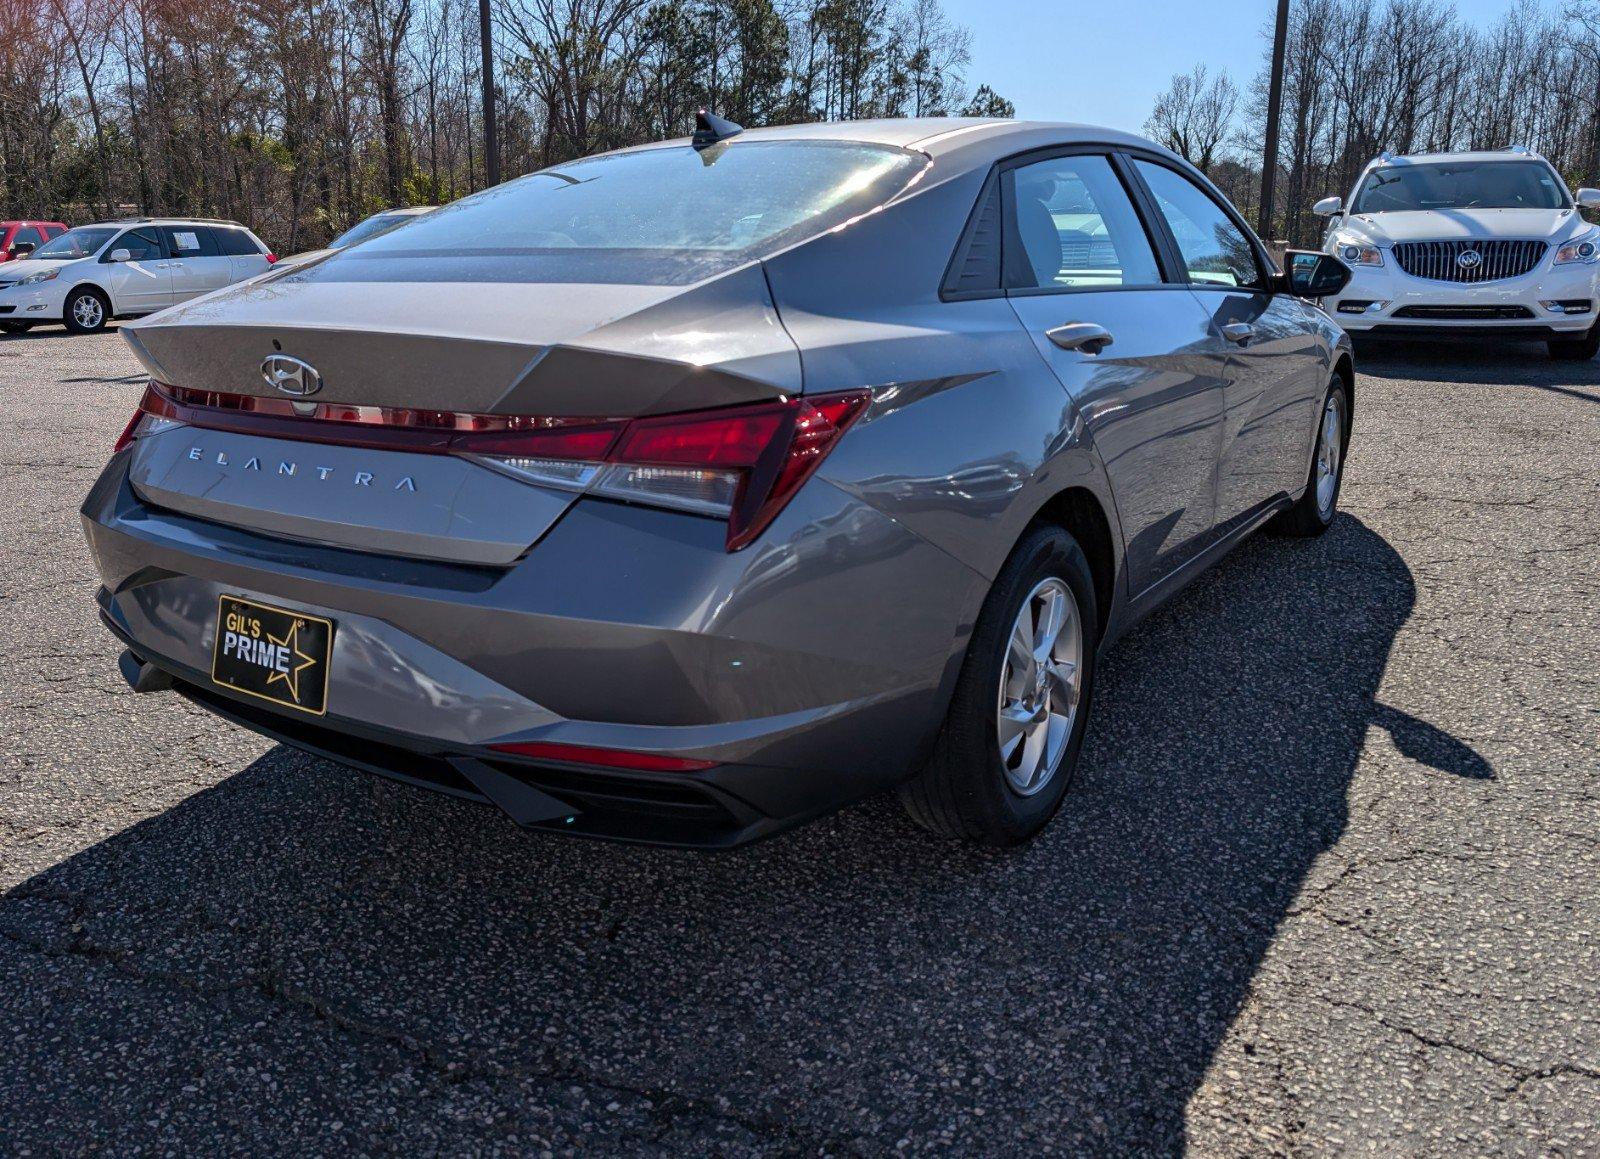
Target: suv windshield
{"x": 1461, "y": 185}
{"x": 665, "y": 215}
{"x": 77, "y": 243}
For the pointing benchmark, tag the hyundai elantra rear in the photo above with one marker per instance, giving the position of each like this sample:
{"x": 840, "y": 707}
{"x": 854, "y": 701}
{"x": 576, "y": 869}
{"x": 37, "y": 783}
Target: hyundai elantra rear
{"x": 683, "y": 493}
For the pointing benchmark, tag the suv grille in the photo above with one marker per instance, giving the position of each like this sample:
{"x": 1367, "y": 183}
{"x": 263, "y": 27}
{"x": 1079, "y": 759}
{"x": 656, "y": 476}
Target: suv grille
{"x": 1495, "y": 312}
{"x": 1442, "y": 260}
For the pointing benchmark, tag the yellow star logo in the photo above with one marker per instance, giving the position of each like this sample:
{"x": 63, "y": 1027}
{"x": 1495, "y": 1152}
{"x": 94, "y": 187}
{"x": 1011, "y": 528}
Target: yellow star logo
{"x": 292, "y": 678}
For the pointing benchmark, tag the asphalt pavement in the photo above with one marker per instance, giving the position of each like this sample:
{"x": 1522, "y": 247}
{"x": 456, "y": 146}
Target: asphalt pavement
{"x": 1328, "y": 880}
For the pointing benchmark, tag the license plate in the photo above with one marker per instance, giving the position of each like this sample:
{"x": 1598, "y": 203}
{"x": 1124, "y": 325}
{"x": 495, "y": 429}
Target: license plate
{"x": 273, "y": 654}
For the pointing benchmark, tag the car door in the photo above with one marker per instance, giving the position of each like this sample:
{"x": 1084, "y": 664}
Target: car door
{"x": 28, "y": 237}
{"x": 1081, "y": 269}
{"x": 1274, "y": 374}
{"x": 142, "y": 283}
{"x": 198, "y": 267}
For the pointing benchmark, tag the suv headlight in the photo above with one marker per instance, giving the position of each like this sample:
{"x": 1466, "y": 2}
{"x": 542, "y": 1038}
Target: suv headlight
{"x": 41, "y": 276}
{"x": 1357, "y": 251}
{"x": 1583, "y": 248}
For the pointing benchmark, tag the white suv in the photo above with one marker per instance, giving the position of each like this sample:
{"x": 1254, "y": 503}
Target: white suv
{"x": 91, "y": 274}
{"x": 1470, "y": 245}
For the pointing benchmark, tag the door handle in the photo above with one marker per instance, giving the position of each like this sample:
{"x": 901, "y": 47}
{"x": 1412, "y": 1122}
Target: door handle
{"x": 1239, "y": 333}
{"x": 1085, "y": 336}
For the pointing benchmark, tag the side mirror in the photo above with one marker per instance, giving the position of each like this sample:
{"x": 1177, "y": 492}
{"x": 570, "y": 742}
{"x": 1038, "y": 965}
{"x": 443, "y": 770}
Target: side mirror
{"x": 1313, "y": 274}
{"x": 22, "y": 249}
{"x": 120, "y": 255}
{"x": 1589, "y": 199}
{"x": 1329, "y": 207}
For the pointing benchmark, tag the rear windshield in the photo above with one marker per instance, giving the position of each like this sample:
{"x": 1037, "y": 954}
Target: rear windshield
{"x": 372, "y": 227}
{"x": 1461, "y": 185}
{"x": 77, "y": 243}
{"x": 662, "y": 216}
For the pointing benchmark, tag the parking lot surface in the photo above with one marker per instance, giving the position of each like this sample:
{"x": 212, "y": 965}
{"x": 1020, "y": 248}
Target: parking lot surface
{"x": 1330, "y": 873}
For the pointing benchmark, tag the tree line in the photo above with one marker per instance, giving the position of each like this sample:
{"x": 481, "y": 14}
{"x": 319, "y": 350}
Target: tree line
{"x": 300, "y": 117}
{"x": 1407, "y": 76}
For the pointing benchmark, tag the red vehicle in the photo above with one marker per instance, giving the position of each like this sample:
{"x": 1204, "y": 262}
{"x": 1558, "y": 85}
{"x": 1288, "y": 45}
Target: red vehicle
{"x": 18, "y": 239}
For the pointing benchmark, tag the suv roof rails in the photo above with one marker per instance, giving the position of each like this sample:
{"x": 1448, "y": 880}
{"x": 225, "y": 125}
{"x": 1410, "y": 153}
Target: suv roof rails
{"x": 195, "y": 220}
{"x": 1522, "y": 150}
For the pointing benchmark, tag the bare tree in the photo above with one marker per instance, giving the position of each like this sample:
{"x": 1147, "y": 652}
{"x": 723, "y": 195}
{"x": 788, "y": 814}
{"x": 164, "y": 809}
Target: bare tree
{"x": 1194, "y": 117}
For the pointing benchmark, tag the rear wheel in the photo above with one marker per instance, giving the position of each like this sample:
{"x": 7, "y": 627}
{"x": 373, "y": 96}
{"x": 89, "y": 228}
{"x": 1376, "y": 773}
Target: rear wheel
{"x": 1314, "y": 513}
{"x": 15, "y": 327}
{"x": 1010, "y": 743}
{"x": 1577, "y": 349}
{"x": 86, "y": 311}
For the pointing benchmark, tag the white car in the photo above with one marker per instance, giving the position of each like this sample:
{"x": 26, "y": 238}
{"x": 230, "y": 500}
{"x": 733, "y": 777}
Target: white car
{"x": 94, "y": 273}
{"x": 1468, "y": 245}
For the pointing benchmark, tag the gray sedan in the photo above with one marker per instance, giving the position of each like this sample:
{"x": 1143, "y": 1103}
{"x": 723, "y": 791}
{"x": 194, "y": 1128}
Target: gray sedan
{"x": 686, "y": 492}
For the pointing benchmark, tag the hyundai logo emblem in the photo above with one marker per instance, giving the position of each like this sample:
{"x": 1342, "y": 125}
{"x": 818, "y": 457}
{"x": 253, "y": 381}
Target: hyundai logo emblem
{"x": 290, "y": 375}
{"x": 1469, "y": 259}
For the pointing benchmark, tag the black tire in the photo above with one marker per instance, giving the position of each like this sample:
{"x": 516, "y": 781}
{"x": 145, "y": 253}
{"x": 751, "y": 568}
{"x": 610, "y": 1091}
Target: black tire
{"x": 1577, "y": 349}
{"x": 964, "y": 791}
{"x": 69, "y": 314}
{"x": 1308, "y": 518}
{"x": 16, "y": 327}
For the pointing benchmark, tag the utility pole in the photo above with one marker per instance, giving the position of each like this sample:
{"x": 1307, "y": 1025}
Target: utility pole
{"x": 491, "y": 136}
{"x": 1269, "y": 156}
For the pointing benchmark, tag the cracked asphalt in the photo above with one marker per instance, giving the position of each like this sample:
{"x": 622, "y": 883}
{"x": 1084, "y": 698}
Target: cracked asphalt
{"x": 1329, "y": 879}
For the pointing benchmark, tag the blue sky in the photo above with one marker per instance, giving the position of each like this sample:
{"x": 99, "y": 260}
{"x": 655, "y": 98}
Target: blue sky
{"x": 1103, "y": 62}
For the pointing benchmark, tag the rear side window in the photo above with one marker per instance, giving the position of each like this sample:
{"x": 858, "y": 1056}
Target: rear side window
{"x": 55, "y": 230}
{"x": 190, "y": 241}
{"x": 1073, "y": 226}
{"x": 143, "y": 245}
{"x": 235, "y": 243}
{"x": 1215, "y": 250}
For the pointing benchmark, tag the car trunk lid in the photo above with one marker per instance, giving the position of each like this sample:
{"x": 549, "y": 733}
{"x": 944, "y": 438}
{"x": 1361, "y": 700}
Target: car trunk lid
{"x": 435, "y": 357}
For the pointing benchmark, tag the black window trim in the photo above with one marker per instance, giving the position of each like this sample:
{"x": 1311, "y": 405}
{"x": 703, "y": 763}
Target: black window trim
{"x": 1266, "y": 269}
{"x": 958, "y": 256}
{"x": 1169, "y": 258}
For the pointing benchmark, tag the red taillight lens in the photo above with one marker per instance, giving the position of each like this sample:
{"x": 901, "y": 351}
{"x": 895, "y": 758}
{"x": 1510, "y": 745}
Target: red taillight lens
{"x": 271, "y": 258}
{"x": 741, "y": 463}
{"x": 125, "y": 439}
{"x": 154, "y": 409}
{"x": 749, "y": 460}
{"x": 611, "y": 758}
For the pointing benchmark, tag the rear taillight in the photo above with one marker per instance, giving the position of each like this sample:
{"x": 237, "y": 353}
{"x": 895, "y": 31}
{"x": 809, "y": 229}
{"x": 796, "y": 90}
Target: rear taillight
{"x": 739, "y": 463}
{"x": 271, "y": 258}
{"x": 155, "y": 414}
{"x": 744, "y": 463}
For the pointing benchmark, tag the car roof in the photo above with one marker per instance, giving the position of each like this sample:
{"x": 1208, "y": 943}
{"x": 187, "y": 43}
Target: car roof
{"x": 936, "y": 135}
{"x": 1447, "y": 158}
{"x": 127, "y": 221}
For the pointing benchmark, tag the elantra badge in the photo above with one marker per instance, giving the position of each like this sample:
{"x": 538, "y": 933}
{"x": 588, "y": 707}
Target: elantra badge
{"x": 1469, "y": 259}
{"x": 290, "y": 375}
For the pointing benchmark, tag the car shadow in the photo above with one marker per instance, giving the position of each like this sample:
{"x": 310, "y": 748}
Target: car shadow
{"x": 842, "y": 987}
{"x": 1481, "y": 363}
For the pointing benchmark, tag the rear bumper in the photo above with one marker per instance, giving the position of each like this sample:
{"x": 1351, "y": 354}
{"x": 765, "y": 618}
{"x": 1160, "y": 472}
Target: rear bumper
{"x": 787, "y": 664}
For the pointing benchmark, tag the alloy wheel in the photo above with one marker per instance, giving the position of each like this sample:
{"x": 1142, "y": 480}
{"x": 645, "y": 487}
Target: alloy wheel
{"x": 1330, "y": 448}
{"x": 1040, "y": 682}
{"x": 88, "y": 312}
